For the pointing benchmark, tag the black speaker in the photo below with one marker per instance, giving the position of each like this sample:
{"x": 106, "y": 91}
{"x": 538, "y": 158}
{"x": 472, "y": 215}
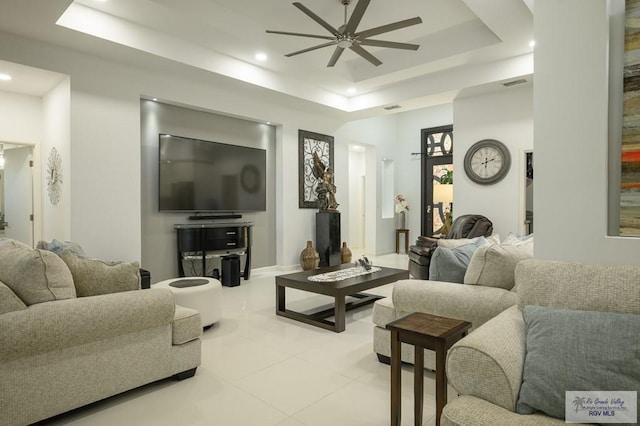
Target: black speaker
{"x": 231, "y": 270}
{"x": 145, "y": 279}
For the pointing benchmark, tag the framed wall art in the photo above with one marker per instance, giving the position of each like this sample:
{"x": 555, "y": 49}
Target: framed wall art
{"x": 308, "y": 144}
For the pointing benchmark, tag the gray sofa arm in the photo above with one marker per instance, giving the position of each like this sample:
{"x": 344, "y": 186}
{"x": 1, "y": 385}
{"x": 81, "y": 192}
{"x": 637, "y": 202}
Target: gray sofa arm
{"x": 488, "y": 363}
{"x": 49, "y": 326}
{"x": 473, "y": 303}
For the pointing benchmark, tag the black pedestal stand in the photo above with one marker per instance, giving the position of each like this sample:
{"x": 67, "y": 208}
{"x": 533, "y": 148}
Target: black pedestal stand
{"x": 328, "y": 237}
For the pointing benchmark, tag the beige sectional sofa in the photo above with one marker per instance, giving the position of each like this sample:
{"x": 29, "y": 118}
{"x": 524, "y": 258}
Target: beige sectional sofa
{"x": 78, "y": 332}
{"x": 486, "y": 291}
{"x": 575, "y": 328}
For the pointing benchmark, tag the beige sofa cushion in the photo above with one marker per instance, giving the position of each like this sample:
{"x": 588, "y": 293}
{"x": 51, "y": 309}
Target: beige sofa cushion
{"x": 9, "y": 302}
{"x": 585, "y": 287}
{"x": 495, "y": 265}
{"x": 187, "y": 325}
{"x": 93, "y": 277}
{"x": 35, "y": 276}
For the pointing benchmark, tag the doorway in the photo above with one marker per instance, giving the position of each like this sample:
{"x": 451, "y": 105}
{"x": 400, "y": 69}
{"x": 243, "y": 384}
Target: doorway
{"x": 437, "y": 178}
{"x": 16, "y": 203}
{"x": 357, "y": 196}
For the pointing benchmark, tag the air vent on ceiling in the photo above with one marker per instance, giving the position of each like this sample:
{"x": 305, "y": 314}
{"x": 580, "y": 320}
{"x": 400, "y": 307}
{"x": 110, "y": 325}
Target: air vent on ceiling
{"x": 514, "y": 82}
{"x": 389, "y": 108}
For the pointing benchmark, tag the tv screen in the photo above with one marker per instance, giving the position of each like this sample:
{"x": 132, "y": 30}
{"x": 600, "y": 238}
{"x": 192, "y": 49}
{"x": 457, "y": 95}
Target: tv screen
{"x": 204, "y": 176}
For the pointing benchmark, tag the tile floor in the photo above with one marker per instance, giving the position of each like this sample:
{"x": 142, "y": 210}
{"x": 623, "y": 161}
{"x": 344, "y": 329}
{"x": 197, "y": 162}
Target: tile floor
{"x": 259, "y": 369}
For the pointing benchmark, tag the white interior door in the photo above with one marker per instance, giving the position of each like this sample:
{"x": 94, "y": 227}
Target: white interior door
{"x": 18, "y": 194}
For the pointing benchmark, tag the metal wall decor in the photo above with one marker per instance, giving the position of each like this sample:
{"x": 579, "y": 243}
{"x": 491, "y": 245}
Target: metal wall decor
{"x": 308, "y": 144}
{"x": 54, "y": 176}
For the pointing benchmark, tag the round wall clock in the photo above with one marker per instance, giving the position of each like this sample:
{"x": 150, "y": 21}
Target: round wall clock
{"x": 487, "y": 161}
{"x": 54, "y": 176}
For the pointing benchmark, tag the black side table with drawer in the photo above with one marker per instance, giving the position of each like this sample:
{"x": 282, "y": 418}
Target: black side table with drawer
{"x": 214, "y": 237}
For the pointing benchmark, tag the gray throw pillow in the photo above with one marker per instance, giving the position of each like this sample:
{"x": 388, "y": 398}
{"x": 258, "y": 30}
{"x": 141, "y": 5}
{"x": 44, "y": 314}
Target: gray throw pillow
{"x": 450, "y": 264}
{"x": 570, "y": 350}
{"x": 59, "y": 246}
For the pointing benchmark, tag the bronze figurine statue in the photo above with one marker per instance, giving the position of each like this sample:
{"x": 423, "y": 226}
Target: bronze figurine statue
{"x": 326, "y": 189}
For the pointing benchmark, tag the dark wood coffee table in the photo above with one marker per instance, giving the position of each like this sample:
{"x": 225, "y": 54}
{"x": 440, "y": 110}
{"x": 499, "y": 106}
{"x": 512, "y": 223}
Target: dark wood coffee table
{"x": 339, "y": 290}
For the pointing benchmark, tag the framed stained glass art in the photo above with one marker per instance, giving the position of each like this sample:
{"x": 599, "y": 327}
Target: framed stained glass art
{"x": 308, "y": 144}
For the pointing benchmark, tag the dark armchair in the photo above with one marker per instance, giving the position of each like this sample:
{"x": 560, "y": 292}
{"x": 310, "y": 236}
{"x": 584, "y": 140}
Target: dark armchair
{"x": 465, "y": 226}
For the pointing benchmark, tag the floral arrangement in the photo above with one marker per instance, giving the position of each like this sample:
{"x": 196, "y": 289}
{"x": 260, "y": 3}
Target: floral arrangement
{"x": 401, "y": 204}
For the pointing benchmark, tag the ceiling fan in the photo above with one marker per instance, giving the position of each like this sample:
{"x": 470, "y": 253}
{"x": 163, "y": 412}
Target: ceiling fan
{"x": 346, "y": 36}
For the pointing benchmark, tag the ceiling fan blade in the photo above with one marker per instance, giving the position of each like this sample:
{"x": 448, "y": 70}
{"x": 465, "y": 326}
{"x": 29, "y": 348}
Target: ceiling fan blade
{"x": 335, "y": 56}
{"x": 391, "y": 44}
{"x": 356, "y": 16}
{"x": 316, "y": 18}
{"x": 389, "y": 27}
{"x": 309, "y": 49}
{"x": 368, "y": 56}
{"x": 301, "y": 35}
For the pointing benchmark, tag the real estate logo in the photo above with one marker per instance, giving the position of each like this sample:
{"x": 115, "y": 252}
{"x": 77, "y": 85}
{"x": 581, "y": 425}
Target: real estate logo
{"x": 601, "y": 406}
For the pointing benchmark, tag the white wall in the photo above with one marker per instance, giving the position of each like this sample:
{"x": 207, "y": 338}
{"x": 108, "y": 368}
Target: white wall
{"x": 105, "y": 141}
{"x": 20, "y": 118}
{"x": 409, "y": 128}
{"x": 506, "y": 116}
{"x": 395, "y": 137}
{"x": 56, "y": 220}
{"x": 159, "y": 239}
{"x": 571, "y": 130}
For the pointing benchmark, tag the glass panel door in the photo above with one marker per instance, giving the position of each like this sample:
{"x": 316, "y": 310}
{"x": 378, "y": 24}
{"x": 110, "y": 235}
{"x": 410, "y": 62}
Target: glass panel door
{"x": 438, "y": 188}
{"x": 437, "y": 178}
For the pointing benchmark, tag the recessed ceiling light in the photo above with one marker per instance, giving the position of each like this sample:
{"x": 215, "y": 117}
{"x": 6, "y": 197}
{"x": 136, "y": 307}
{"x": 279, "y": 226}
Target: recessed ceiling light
{"x": 352, "y": 90}
{"x": 532, "y": 43}
{"x": 154, "y": 99}
{"x": 5, "y": 77}
{"x": 261, "y": 56}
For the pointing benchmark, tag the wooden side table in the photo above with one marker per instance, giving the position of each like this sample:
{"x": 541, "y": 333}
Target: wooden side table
{"x": 424, "y": 331}
{"x": 406, "y": 240}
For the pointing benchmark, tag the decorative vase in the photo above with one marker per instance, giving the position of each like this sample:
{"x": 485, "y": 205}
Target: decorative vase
{"x": 309, "y": 257}
{"x": 403, "y": 219}
{"x": 345, "y": 254}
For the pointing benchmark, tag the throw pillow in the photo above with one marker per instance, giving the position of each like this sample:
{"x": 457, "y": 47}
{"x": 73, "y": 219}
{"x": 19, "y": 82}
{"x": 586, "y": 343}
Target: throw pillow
{"x": 450, "y": 264}
{"x": 93, "y": 277}
{"x": 516, "y": 240}
{"x": 457, "y": 242}
{"x": 35, "y": 276}
{"x": 570, "y": 350}
{"x": 495, "y": 265}
{"x": 59, "y": 246}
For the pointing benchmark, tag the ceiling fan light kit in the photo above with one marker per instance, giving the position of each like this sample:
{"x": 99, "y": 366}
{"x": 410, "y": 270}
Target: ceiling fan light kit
{"x": 346, "y": 37}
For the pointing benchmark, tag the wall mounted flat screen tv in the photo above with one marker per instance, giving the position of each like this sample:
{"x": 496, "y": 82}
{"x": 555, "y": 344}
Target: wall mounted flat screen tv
{"x": 204, "y": 176}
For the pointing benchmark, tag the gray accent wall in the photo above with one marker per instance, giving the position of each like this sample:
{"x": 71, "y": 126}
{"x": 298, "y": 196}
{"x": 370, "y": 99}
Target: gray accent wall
{"x": 158, "y": 236}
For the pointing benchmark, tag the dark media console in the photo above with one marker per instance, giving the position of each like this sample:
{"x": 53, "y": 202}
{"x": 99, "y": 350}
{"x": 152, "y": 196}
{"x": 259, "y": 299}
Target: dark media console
{"x": 214, "y": 239}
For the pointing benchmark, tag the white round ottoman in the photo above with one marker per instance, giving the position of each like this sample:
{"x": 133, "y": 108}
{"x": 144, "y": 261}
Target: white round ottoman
{"x": 200, "y": 293}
